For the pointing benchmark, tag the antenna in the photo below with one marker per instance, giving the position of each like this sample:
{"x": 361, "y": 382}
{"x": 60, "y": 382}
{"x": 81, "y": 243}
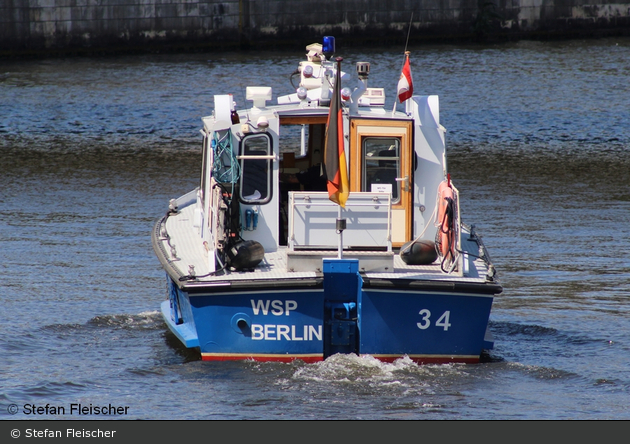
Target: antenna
{"x": 408, "y": 31}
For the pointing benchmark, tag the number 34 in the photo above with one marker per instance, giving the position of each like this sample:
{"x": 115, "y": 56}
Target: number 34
{"x": 443, "y": 321}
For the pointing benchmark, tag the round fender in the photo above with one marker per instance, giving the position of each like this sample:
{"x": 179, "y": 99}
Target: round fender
{"x": 419, "y": 252}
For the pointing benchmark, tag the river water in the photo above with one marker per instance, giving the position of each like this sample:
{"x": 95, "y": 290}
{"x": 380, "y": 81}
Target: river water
{"x": 92, "y": 149}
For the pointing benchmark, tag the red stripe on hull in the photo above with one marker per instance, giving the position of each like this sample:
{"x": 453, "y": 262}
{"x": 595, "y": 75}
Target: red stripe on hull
{"x": 263, "y": 358}
{"x": 432, "y": 360}
{"x": 312, "y": 359}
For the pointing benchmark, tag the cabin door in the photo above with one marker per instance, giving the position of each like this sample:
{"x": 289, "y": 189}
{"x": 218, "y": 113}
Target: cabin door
{"x": 381, "y": 153}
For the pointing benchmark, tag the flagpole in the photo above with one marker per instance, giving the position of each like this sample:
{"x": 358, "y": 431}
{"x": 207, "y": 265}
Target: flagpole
{"x": 341, "y": 223}
{"x": 335, "y": 158}
{"x": 340, "y": 227}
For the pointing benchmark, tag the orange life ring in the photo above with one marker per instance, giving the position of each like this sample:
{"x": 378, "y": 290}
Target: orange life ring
{"x": 446, "y": 234}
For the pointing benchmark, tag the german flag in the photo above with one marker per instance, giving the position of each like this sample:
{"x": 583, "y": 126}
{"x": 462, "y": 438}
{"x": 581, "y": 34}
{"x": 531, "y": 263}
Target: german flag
{"x": 334, "y": 153}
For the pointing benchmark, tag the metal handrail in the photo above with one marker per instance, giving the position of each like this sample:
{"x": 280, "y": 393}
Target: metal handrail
{"x": 257, "y": 157}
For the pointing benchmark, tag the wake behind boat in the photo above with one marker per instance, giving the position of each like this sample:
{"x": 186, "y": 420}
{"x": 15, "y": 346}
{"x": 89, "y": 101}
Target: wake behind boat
{"x": 325, "y": 224}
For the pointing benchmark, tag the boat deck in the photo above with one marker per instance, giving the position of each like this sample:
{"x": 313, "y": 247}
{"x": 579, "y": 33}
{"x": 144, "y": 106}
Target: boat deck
{"x": 181, "y": 248}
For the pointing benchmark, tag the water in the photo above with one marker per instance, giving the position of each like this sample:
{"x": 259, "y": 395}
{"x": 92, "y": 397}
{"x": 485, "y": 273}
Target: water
{"x": 92, "y": 149}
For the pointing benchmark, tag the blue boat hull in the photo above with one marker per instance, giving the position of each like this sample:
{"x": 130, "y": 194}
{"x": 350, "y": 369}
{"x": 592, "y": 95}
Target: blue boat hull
{"x": 340, "y": 314}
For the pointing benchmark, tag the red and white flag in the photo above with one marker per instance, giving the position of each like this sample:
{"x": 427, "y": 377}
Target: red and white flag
{"x": 405, "y": 84}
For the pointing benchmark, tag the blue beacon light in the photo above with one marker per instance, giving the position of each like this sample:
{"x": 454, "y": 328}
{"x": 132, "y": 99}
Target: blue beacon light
{"x": 328, "y": 48}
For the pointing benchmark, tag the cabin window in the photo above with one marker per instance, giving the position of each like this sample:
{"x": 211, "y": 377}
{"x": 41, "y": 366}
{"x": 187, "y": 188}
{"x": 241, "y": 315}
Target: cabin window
{"x": 302, "y": 140}
{"x": 256, "y": 158}
{"x": 381, "y": 165}
{"x": 291, "y": 141}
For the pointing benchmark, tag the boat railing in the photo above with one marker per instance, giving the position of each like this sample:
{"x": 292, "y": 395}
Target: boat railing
{"x": 459, "y": 261}
{"x": 313, "y": 217}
